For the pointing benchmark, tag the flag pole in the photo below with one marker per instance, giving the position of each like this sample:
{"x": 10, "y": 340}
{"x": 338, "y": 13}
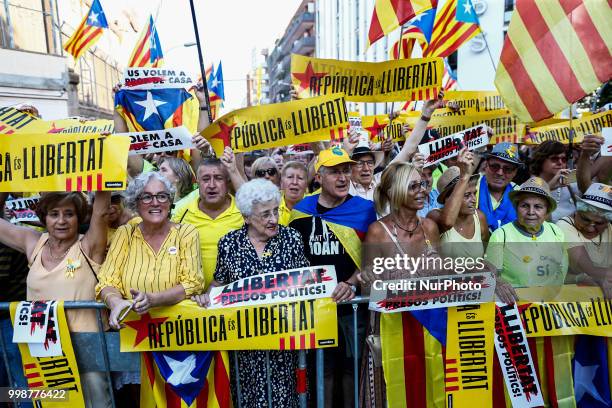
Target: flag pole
{"x": 201, "y": 59}
{"x": 399, "y": 54}
{"x": 484, "y": 37}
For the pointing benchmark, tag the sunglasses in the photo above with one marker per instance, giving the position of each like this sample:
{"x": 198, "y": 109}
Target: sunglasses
{"x": 495, "y": 167}
{"x": 558, "y": 159}
{"x": 270, "y": 172}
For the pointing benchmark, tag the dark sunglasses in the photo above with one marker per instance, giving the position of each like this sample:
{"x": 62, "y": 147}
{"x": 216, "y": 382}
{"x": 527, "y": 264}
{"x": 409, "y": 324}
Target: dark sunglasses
{"x": 270, "y": 172}
{"x": 495, "y": 168}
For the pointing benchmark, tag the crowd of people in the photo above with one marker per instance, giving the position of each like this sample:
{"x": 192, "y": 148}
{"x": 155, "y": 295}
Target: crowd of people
{"x": 184, "y": 226}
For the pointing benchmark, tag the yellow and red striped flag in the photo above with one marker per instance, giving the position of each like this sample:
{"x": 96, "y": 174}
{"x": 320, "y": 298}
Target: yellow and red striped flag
{"x": 556, "y": 52}
{"x": 88, "y": 32}
{"x": 409, "y": 37}
{"x": 148, "y": 50}
{"x": 455, "y": 24}
{"x": 388, "y": 15}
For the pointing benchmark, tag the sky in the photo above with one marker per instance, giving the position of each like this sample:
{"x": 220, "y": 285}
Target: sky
{"x": 229, "y": 30}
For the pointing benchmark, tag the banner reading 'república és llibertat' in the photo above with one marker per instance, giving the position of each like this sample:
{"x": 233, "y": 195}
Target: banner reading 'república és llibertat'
{"x": 289, "y": 309}
{"x": 279, "y": 124}
{"x": 388, "y": 81}
{"x": 560, "y": 132}
{"x": 81, "y": 162}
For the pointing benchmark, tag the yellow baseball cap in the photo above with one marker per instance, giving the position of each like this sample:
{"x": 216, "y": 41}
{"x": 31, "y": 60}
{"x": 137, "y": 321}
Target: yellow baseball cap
{"x": 332, "y": 157}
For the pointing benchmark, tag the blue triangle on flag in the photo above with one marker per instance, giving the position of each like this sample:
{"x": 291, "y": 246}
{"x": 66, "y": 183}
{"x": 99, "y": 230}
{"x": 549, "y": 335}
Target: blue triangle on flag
{"x": 434, "y": 320}
{"x": 184, "y": 371}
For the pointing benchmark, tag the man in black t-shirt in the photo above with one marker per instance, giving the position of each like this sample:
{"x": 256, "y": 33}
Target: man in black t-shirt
{"x": 332, "y": 225}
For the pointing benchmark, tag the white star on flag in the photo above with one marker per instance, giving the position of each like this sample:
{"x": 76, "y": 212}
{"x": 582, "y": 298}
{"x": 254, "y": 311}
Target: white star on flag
{"x": 467, "y": 6}
{"x": 150, "y": 106}
{"x": 583, "y": 382}
{"x": 181, "y": 370}
{"x": 215, "y": 83}
{"x": 417, "y": 18}
{"x": 93, "y": 18}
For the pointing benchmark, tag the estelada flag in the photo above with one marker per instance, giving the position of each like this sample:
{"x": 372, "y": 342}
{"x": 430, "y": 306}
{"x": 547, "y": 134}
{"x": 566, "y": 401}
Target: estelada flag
{"x": 156, "y": 109}
{"x": 88, "y": 32}
{"x": 148, "y": 51}
{"x": 455, "y": 24}
{"x": 388, "y": 15}
{"x": 185, "y": 379}
{"x": 555, "y": 53}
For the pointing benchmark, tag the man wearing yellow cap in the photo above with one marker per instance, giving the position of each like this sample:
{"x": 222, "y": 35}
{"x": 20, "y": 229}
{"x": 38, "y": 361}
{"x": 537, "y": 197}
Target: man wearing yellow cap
{"x": 332, "y": 225}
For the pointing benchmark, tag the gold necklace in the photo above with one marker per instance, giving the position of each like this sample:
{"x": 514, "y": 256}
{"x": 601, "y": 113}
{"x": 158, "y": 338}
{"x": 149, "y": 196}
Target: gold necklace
{"x": 57, "y": 258}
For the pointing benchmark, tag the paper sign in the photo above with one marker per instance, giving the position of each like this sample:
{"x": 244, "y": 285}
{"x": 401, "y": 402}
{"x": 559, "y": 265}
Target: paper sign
{"x": 449, "y": 146}
{"x": 30, "y": 324}
{"x": 156, "y": 78}
{"x": 606, "y": 148}
{"x": 156, "y": 141}
{"x": 52, "y": 345}
{"x": 23, "y": 209}
{"x": 292, "y": 285}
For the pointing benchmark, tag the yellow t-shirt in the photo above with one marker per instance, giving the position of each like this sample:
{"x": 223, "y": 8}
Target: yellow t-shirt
{"x": 132, "y": 263}
{"x": 211, "y": 231}
{"x": 284, "y": 213}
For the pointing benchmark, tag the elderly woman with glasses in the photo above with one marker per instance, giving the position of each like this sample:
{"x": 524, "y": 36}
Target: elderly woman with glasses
{"x": 153, "y": 263}
{"x": 260, "y": 246}
{"x": 265, "y": 167}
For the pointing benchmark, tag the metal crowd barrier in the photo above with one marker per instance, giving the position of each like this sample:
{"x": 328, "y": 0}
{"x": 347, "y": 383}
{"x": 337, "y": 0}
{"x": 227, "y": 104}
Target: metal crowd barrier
{"x": 87, "y": 347}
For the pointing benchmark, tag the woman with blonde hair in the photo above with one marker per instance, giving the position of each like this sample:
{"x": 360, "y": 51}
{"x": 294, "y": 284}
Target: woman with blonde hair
{"x": 265, "y": 167}
{"x": 400, "y": 194}
{"x": 180, "y": 174}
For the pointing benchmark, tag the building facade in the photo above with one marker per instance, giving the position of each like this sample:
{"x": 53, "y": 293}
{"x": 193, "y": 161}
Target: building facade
{"x": 299, "y": 38}
{"x": 258, "y": 79}
{"x": 36, "y": 70}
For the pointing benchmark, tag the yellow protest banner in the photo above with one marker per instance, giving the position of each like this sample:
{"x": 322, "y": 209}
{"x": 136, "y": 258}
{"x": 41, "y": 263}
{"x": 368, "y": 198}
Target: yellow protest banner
{"x": 590, "y": 124}
{"x": 57, "y": 378}
{"x": 292, "y": 325}
{"x": 506, "y": 127}
{"x": 43, "y": 162}
{"x": 13, "y": 121}
{"x": 388, "y": 81}
{"x": 469, "y": 355}
{"x": 279, "y": 124}
{"x": 476, "y": 101}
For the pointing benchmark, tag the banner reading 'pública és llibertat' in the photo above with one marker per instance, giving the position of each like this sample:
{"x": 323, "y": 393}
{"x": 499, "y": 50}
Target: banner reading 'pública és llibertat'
{"x": 388, "y": 81}
{"x": 279, "y": 124}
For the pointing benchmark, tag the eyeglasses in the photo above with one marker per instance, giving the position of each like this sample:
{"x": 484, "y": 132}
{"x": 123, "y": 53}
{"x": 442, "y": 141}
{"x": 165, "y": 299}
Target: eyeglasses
{"x": 361, "y": 163}
{"x": 590, "y": 221}
{"x": 558, "y": 159}
{"x": 418, "y": 185}
{"x": 495, "y": 167}
{"x": 270, "y": 172}
{"x": 161, "y": 198}
{"x": 268, "y": 215}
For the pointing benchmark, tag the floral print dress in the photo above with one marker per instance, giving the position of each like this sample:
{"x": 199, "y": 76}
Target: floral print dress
{"x": 238, "y": 259}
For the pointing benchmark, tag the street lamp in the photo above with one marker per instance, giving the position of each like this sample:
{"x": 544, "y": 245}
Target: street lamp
{"x": 186, "y": 45}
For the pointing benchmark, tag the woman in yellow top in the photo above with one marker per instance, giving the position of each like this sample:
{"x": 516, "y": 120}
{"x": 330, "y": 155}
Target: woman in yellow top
{"x": 529, "y": 251}
{"x": 155, "y": 262}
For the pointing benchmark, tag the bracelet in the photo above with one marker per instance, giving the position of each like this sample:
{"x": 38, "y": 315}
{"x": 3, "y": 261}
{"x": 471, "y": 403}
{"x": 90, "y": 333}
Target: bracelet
{"x": 425, "y": 118}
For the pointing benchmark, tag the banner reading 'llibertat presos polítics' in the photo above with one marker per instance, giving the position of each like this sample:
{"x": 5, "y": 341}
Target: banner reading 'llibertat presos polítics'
{"x": 279, "y": 124}
{"x": 303, "y": 316}
{"x": 81, "y": 162}
{"x": 388, "y": 81}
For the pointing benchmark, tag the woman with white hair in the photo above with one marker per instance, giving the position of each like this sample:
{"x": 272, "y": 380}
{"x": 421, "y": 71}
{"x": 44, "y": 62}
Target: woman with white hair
{"x": 260, "y": 246}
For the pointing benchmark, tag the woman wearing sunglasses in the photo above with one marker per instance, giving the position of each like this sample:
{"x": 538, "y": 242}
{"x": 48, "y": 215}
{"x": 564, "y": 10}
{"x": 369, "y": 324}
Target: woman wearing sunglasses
{"x": 153, "y": 263}
{"x": 265, "y": 167}
{"x": 549, "y": 162}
